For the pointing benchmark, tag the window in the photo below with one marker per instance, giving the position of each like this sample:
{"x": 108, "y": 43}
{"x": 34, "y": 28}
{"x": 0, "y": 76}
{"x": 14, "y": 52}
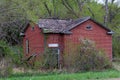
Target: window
{"x": 32, "y": 28}
{"x": 27, "y": 46}
{"x": 89, "y": 27}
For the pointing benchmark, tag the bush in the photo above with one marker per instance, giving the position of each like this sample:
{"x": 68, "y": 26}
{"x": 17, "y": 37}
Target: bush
{"x": 9, "y": 56}
{"x": 17, "y": 53}
{"x": 5, "y": 61}
{"x": 50, "y": 59}
{"x": 87, "y": 58}
{"x": 5, "y": 67}
{"x": 46, "y": 60}
{"x": 116, "y": 46}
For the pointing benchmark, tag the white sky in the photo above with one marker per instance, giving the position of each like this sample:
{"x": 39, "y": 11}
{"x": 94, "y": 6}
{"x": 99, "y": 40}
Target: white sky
{"x": 100, "y": 1}
{"x": 103, "y": 1}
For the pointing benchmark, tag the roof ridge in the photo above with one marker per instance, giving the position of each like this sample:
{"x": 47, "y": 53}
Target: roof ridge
{"x": 76, "y": 22}
{"x": 88, "y": 17}
{"x": 54, "y": 19}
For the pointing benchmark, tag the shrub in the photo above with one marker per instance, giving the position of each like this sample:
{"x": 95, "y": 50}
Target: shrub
{"x": 5, "y": 61}
{"x": 50, "y": 59}
{"x": 5, "y": 67}
{"x": 17, "y": 53}
{"x": 46, "y": 60}
{"x": 87, "y": 57}
{"x": 9, "y": 56}
{"x": 116, "y": 46}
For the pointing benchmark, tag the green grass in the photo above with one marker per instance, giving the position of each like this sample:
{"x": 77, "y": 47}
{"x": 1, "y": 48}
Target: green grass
{"x": 65, "y": 76}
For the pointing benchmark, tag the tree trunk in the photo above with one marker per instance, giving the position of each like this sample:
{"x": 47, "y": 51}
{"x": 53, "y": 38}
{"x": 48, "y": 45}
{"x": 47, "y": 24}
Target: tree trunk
{"x": 106, "y": 13}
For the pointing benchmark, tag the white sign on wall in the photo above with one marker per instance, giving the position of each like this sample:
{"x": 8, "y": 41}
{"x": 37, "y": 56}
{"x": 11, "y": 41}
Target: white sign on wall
{"x": 53, "y": 45}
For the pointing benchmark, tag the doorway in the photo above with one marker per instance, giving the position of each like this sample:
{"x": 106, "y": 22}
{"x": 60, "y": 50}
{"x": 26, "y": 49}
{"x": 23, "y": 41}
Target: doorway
{"x": 55, "y": 56}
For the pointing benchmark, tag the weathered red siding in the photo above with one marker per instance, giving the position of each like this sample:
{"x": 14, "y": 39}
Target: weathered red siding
{"x": 97, "y": 34}
{"x": 36, "y": 40}
{"x": 56, "y": 39}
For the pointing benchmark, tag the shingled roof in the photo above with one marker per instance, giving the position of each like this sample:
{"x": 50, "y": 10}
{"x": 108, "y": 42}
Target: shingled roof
{"x": 74, "y": 23}
{"x": 53, "y": 25}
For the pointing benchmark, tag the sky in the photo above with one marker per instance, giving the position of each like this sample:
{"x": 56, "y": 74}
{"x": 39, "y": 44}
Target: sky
{"x": 100, "y": 1}
{"x": 103, "y": 1}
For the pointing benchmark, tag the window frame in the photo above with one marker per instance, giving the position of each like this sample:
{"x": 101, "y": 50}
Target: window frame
{"x": 89, "y": 27}
{"x": 27, "y": 46}
{"x": 32, "y": 28}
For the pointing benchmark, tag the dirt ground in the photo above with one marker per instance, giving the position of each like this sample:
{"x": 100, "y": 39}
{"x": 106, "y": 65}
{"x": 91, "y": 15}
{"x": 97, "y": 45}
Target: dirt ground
{"x": 116, "y": 65}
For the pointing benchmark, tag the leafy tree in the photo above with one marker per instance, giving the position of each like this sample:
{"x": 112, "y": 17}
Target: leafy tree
{"x": 11, "y": 21}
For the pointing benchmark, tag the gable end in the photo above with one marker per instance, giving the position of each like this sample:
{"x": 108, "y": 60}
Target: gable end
{"x": 82, "y": 20}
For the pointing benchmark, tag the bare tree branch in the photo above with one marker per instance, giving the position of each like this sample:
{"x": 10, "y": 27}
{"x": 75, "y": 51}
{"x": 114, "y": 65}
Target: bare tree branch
{"x": 91, "y": 12}
{"x": 69, "y": 7}
{"x": 80, "y": 4}
{"x": 48, "y": 10}
{"x": 54, "y": 6}
{"x": 106, "y": 13}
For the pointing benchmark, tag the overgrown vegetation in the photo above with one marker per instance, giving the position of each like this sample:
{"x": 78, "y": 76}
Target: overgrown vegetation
{"x": 87, "y": 58}
{"x": 5, "y": 61}
{"x": 8, "y": 59}
{"x": 50, "y": 59}
{"x": 83, "y": 57}
{"x": 46, "y": 60}
{"x": 116, "y": 46}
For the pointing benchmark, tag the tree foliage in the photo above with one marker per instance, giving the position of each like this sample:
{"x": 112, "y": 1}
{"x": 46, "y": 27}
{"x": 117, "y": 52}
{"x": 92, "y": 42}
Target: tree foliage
{"x": 12, "y": 18}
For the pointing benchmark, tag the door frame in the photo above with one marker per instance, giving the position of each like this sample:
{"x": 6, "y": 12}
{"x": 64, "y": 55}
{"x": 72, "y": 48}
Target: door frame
{"x": 56, "y": 46}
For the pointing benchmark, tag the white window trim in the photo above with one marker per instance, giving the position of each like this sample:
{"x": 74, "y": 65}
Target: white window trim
{"x": 27, "y": 46}
{"x": 53, "y": 45}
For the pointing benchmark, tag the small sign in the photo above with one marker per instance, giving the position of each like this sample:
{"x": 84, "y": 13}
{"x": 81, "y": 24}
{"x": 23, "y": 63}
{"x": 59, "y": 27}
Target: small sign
{"x": 53, "y": 45}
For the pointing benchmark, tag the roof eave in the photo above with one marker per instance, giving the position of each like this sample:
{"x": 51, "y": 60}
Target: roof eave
{"x": 22, "y": 34}
{"x": 89, "y": 18}
{"x": 79, "y": 23}
{"x": 103, "y": 26}
{"x": 110, "y": 32}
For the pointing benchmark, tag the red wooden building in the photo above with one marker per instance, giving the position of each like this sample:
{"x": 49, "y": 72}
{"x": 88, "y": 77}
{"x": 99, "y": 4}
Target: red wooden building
{"x": 57, "y": 34}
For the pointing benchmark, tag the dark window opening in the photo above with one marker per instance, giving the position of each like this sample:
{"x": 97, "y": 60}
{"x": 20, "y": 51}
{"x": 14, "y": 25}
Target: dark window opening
{"x": 89, "y": 27}
{"x": 32, "y": 28}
